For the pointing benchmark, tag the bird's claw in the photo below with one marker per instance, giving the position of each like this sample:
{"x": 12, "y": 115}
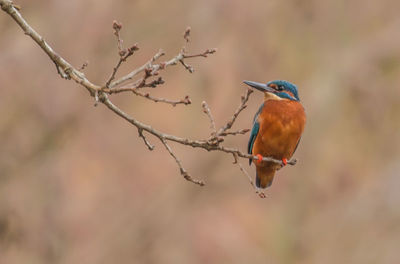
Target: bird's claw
{"x": 259, "y": 158}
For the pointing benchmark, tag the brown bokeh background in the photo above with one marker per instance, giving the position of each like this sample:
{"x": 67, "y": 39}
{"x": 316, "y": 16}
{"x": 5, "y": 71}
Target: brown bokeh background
{"x": 77, "y": 185}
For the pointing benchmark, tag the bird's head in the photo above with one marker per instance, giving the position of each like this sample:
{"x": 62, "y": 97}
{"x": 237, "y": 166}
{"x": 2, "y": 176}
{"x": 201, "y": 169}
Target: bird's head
{"x": 276, "y": 90}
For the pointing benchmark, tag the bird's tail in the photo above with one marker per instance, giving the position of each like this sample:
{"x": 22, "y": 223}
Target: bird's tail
{"x": 264, "y": 176}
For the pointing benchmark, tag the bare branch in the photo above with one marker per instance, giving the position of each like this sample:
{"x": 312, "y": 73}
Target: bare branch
{"x": 245, "y": 173}
{"x": 154, "y": 83}
{"x": 184, "y": 56}
{"x": 134, "y": 88}
{"x": 204, "y": 144}
{"x": 117, "y": 28}
{"x": 66, "y": 70}
{"x": 182, "y": 170}
{"x": 257, "y": 190}
{"x": 204, "y": 54}
{"x": 187, "y": 66}
{"x": 133, "y": 73}
{"x": 241, "y": 107}
{"x": 154, "y": 68}
{"x": 184, "y": 101}
{"x": 96, "y": 97}
{"x": 235, "y": 161}
{"x": 146, "y": 142}
{"x": 234, "y": 133}
{"x": 207, "y": 111}
{"x": 124, "y": 55}
{"x": 141, "y": 83}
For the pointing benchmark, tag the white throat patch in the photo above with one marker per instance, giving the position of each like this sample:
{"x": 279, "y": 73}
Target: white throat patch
{"x": 271, "y": 96}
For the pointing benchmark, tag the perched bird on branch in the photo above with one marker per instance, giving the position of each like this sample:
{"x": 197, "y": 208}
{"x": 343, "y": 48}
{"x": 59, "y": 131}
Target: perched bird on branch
{"x": 277, "y": 128}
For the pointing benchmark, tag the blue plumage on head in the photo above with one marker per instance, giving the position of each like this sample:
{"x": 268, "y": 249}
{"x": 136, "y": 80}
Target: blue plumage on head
{"x": 286, "y": 86}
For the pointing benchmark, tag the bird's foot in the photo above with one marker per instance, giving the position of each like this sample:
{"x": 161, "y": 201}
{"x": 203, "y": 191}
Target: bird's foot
{"x": 284, "y": 162}
{"x": 259, "y": 158}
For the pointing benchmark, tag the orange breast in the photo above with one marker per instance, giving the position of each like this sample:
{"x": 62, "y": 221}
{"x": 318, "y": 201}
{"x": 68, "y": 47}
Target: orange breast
{"x": 281, "y": 125}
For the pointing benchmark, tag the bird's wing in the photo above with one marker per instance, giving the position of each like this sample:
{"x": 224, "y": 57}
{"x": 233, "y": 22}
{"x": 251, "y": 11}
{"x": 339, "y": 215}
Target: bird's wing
{"x": 254, "y": 132}
{"x": 296, "y": 146}
{"x": 253, "y": 135}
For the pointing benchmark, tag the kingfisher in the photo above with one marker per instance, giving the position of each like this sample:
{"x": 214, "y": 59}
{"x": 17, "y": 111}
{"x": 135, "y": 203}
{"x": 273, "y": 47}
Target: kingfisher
{"x": 277, "y": 128}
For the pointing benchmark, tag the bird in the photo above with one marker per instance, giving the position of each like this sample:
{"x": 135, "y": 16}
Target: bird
{"x": 277, "y": 128}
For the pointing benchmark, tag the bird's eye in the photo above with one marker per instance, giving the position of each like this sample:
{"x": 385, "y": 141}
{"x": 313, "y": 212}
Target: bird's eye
{"x": 280, "y": 88}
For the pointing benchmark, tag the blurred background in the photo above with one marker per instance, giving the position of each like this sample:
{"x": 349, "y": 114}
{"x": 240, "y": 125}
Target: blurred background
{"x": 77, "y": 185}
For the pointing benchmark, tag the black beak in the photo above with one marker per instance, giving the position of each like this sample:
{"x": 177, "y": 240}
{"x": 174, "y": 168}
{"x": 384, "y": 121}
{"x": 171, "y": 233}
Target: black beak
{"x": 259, "y": 86}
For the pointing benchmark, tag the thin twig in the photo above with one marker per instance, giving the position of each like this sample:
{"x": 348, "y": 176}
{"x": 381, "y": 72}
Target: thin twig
{"x": 236, "y": 161}
{"x": 123, "y": 53}
{"x": 133, "y": 73}
{"x": 187, "y": 66}
{"x": 182, "y": 170}
{"x": 149, "y": 65}
{"x": 184, "y": 101}
{"x": 207, "y": 111}
{"x": 117, "y": 28}
{"x": 122, "y": 59}
{"x": 245, "y": 173}
{"x": 241, "y": 107}
{"x": 234, "y": 133}
{"x": 135, "y": 86}
{"x": 203, "y": 54}
{"x": 146, "y": 142}
{"x": 257, "y": 190}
